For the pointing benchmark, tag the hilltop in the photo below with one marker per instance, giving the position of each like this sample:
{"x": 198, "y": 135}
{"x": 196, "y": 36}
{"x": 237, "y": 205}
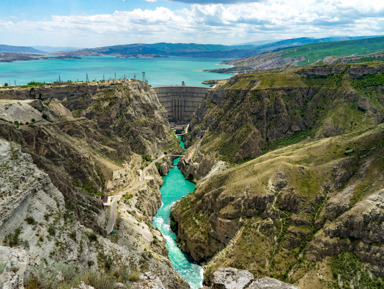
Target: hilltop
{"x": 317, "y": 53}
{"x": 198, "y": 50}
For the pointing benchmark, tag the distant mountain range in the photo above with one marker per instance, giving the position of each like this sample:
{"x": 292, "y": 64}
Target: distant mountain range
{"x": 350, "y": 51}
{"x": 176, "y": 49}
{"x": 50, "y": 49}
{"x": 200, "y": 50}
{"x": 18, "y": 49}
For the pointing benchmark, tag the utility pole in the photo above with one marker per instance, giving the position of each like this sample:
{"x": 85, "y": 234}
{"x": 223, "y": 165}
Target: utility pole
{"x": 86, "y": 77}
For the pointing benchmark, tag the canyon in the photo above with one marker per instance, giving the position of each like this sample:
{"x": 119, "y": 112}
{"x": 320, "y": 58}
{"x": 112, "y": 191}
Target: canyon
{"x": 287, "y": 167}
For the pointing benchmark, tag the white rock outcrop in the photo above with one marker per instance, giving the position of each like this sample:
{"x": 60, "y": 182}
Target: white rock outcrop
{"x": 14, "y": 266}
{"x": 230, "y": 278}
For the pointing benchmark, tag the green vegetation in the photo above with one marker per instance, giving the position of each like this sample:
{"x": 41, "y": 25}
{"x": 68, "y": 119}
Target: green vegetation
{"x": 30, "y": 220}
{"x": 369, "y": 80}
{"x": 52, "y": 230}
{"x": 293, "y": 139}
{"x": 349, "y": 270}
{"x": 33, "y": 84}
{"x": 315, "y": 52}
{"x": 88, "y": 187}
{"x": 146, "y": 158}
{"x": 92, "y": 237}
{"x": 13, "y": 239}
{"x": 366, "y": 50}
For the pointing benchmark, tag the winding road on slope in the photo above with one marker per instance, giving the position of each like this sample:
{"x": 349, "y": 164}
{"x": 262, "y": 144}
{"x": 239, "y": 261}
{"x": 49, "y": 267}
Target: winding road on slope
{"x": 116, "y": 198}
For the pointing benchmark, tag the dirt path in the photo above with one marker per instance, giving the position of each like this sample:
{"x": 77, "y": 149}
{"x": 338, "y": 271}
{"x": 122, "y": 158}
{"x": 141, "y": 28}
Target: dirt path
{"x": 116, "y": 198}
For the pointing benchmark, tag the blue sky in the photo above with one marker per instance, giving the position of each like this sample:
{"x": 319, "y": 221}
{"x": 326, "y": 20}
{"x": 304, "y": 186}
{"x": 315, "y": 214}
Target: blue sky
{"x": 93, "y": 23}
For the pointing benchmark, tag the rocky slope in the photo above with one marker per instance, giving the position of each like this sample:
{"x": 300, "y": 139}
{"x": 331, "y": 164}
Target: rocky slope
{"x": 253, "y": 113}
{"x": 293, "y": 213}
{"x": 55, "y": 158}
{"x": 306, "y": 209}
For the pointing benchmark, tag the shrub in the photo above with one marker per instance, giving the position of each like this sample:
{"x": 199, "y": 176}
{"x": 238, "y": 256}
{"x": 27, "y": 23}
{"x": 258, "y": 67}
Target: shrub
{"x": 92, "y": 237}
{"x": 30, "y": 220}
{"x": 12, "y": 240}
{"x": 52, "y": 230}
{"x": 134, "y": 275}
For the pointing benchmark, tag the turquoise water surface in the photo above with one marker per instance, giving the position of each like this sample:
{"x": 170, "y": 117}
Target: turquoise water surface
{"x": 158, "y": 71}
{"x": 174, "y": 188}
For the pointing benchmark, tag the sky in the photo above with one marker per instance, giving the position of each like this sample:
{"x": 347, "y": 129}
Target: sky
{"x": 96, "y": 23}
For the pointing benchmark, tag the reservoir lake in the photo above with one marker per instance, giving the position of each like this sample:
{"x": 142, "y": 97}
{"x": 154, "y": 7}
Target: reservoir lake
{"x": 158, "y": 71}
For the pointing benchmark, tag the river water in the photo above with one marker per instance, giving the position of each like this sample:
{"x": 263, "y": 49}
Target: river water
{"x": 174, "y": 188}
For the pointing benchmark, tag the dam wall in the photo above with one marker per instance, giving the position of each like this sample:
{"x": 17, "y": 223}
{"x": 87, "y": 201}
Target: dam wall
{"x": 180, "y": 101}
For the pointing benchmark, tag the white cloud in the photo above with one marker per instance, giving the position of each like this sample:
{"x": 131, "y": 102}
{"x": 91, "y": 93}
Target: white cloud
{"x": 211, "y": 23}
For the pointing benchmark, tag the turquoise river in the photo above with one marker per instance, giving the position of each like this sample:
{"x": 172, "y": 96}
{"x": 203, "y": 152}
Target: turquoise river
{"x": 158, "y": 71}
{"x": 174, "y": 188}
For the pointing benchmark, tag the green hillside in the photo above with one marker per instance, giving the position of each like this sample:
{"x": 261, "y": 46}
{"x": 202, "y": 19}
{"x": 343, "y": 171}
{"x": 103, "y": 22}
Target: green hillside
{"x": 317, "y": 51}
{"x": 350, "y": 51}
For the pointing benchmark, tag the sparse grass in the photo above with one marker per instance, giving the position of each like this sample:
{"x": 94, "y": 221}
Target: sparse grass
{"x": 13, "y": 239}
{"x": 47, "y": 278}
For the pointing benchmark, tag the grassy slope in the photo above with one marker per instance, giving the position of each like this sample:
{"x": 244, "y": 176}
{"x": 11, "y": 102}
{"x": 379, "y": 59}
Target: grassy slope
{"x": 314, "y": 52}
{"x": 329, "y": 107}
{"x": 274, "y": 243}
{"x": 306, "y": 55}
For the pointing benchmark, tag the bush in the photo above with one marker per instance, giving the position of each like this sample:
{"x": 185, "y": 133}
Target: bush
{"x": 92, "y": 237}
{"x": 146, "y": 158}
{"x": 52, "y": 230}
{"x": 30, "y": 220}
{"x": 12, "y": 240}
{"x": 134, "y": 275}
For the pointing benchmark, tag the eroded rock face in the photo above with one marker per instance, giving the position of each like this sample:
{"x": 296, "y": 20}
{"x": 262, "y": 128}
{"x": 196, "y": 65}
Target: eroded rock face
{"x": 196, "y": 166}
{"x": 50, "y": 167}
{"x": 14, "y": 266}
{"x": 271, "y": 283}
{"x": 34, "y": 217}
{"x": 318, "y": 198}
{"x": 229, "y": 278}
{"x": 245, "y": 117}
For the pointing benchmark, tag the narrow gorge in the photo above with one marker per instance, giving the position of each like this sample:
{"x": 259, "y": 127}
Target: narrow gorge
{"x": 280, "y": 185}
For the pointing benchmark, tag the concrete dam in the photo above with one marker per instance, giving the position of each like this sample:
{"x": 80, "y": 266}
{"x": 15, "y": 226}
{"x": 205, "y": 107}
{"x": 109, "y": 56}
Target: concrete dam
{"x": 180, "y": 101}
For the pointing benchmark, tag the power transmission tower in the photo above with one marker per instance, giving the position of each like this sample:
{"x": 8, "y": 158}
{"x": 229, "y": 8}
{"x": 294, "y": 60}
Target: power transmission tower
{"x": 86, "y": 77}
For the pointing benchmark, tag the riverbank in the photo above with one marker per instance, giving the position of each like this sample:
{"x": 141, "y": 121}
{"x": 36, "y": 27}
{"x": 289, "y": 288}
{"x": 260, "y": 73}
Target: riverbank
{"x": 174, "y": 188}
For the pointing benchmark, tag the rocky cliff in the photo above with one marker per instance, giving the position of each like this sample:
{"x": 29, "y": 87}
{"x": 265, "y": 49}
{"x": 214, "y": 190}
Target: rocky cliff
{"x": 58, "y": 152}
{"x": 306, "y": 208}
{"x": 253, "y": 113}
